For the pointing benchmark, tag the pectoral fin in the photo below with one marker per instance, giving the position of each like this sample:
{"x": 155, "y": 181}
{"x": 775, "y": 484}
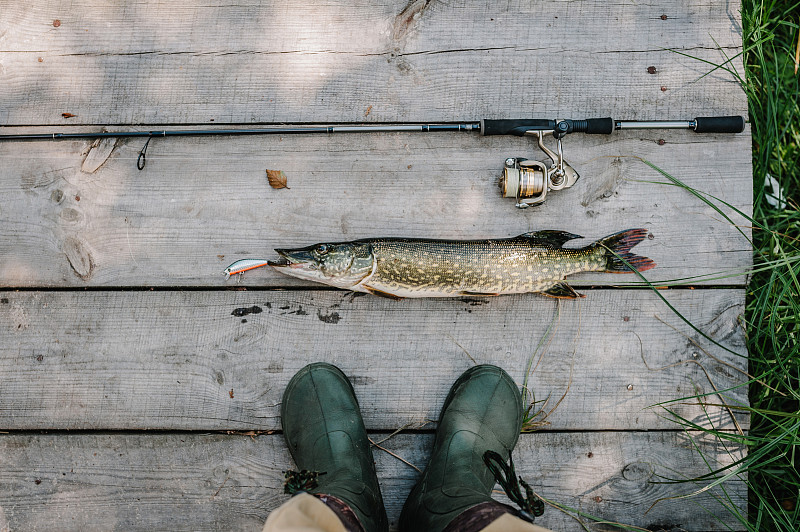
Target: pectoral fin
{"x": 478, "y": 294}
{"x": 381, "y": 293}
{"x": 562, "y": 290}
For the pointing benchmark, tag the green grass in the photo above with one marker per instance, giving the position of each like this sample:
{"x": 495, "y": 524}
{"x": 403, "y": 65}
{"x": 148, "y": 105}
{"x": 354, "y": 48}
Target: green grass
{"x": 773, "y": 302}
{"x": 772, "y": 313}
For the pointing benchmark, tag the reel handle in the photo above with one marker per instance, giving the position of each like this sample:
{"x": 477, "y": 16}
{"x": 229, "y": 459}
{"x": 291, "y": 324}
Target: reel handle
{"x": 529, "y": 181}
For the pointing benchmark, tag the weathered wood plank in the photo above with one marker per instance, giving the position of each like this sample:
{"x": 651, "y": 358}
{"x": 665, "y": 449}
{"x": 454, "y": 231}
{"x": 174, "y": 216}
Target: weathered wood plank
{"x": 219, "y": 360}
{"x": 350, "y": 61}
{"x": 212, "y": 481}
{"x": 200, "y": 204}
{"x": 213, "y": 360}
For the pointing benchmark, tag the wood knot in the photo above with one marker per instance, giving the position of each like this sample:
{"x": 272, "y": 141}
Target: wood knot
{"x": 79, "y": 257}
{"x": 407, "y": 19}
{"x": 98, "y": 154}
{"x": 637, "y": 471}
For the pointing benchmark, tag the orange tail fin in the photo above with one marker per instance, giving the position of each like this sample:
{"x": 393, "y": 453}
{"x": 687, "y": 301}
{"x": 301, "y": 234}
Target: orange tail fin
{"x": 618, "y": 247}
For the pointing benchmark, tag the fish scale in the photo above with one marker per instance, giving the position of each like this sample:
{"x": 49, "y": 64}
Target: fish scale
{"x": 408, "y": 267}
{"x": 516, "y": 265}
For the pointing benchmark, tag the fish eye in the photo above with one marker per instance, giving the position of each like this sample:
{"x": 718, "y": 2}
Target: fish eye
{"x": 322, "y": 249}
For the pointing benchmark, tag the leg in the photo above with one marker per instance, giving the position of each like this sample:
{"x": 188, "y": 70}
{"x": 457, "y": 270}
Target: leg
{"x": 304, "y": 513}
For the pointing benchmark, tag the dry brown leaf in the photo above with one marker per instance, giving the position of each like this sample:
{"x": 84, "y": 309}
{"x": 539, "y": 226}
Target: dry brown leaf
{"x": 67, "y": 115}
{"x": 276, "y": 178}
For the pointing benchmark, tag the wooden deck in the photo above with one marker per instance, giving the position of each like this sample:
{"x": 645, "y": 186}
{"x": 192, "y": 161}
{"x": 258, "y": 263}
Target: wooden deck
{"x": 140, "y": 388}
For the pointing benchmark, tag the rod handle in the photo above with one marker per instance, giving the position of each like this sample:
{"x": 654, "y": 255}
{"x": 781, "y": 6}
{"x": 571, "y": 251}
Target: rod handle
{"x": 518, "y": 127}
{"x": 719, "y": 124}
{"x": 594, "y": 126}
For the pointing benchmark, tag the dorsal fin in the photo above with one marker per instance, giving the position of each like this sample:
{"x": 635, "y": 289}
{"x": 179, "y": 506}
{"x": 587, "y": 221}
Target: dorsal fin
{"x": 555, "y": 239}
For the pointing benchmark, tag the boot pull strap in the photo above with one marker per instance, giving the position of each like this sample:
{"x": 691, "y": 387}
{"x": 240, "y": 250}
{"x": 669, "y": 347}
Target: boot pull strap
{"x": 303, "y": 480}
{"x": 531, "y": 505}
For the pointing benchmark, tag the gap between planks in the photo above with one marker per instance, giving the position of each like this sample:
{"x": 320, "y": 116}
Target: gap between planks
{"x": 180, "y": 481}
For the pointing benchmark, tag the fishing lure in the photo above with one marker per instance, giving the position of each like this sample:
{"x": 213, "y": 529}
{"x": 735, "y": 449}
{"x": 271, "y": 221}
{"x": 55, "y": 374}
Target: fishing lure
{"x": 241, "y": 266}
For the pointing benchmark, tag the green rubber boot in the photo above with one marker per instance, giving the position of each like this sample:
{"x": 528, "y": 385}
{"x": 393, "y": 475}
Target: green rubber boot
{"x": 324, "y": 430}
{"x": 483, "y": 412}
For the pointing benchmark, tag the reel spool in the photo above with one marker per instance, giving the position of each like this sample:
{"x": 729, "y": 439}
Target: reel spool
{"x": 528, "y": 181}
{"x": 524, "y": 179}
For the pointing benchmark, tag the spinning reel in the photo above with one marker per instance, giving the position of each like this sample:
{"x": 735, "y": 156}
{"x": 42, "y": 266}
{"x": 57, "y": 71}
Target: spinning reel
{"x": 529, "y": 180}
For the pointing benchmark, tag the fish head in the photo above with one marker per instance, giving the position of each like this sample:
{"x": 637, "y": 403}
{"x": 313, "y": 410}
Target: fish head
{"x": 343, "y": 265}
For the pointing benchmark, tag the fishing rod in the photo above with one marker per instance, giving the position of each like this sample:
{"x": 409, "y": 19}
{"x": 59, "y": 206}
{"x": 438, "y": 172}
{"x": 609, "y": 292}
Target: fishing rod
{"x": 528, "y": 181}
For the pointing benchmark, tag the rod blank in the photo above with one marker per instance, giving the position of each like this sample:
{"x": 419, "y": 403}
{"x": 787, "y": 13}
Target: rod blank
{"x": 257, "y": 131}
{"x": 518, "y": 127}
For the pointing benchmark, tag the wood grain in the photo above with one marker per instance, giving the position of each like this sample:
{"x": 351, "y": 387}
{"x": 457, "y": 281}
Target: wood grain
{"x": 300, "y": 61}
{"x": 201, "y": 204}
{"x": 214, "y": 481}
{"x": 203, "y": 354}
{"x": 213, "y": 360}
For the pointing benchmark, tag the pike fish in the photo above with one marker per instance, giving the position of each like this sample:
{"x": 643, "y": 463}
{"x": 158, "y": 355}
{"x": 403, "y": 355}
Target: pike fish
{"x": 407, "y": 267}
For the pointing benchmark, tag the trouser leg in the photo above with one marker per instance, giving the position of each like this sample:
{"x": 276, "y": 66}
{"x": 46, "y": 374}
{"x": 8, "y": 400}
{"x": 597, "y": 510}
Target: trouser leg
{"x": 512, "y": 523}
{"x": 304, "y": 513}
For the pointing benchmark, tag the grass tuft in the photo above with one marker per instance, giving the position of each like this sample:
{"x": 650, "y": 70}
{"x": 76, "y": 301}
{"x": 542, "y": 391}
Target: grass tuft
{"x": 772, "y": 313}
{"x": 773, "y": 306}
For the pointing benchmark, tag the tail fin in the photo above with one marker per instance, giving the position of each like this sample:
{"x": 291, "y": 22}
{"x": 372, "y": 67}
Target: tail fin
{"x": 618, "y": 247}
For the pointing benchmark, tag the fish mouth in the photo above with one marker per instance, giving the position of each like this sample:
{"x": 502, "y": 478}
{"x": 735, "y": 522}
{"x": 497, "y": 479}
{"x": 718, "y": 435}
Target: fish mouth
{"x": 293, "y": 259}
